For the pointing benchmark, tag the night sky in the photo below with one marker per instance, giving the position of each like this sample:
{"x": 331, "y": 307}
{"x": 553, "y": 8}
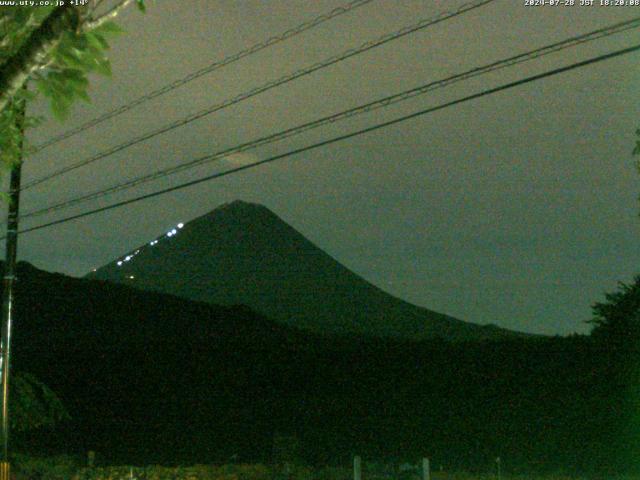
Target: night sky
{"x": 518, "y": 209}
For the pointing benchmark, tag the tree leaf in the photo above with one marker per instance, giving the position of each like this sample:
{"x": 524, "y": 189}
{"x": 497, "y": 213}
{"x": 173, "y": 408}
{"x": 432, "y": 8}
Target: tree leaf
{"x": 108, "y": 28}
{"x": 83, "y": 95}
{"x": 103, "y": 66}
{"x": 97, "y": 41}
{"x": 60, "y": 106}
{"x": 44, "y": 87}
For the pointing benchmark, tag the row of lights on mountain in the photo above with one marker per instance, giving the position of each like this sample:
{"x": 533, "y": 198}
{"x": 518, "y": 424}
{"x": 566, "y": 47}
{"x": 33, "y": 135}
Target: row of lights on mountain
{"x": 170, "y": 233}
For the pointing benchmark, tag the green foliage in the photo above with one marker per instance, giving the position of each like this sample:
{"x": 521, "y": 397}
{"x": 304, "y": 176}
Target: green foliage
{"x": 34, "y": 405}
{"x": 256, "y": 472}
{"x": 63, "y": 75}
{"x": 16, "y": 24}
{"x": 77, "y": 54}
{"x": 195, "y": 472}
{"x": 617, "y": 337}
{"x": 141, "y": 6}
{"x": 11, "y": 130}
{"x": 61, "y": 467}
{"x": 618, "y": 318}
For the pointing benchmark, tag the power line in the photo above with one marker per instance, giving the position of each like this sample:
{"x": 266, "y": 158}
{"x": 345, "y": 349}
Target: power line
{"x": 483, "y": 93}
{"x": 368, "y": 107}
{"x": 265, "y": 87}
{"x": 292, "y": 32}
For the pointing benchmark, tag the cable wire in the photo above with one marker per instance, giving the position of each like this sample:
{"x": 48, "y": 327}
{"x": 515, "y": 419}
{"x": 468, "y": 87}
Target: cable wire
{"x": 292, "y": 32}
{"x": 368, "y": 107}
{"x": 263, "y": 88}
{"x": 339, "y": 138}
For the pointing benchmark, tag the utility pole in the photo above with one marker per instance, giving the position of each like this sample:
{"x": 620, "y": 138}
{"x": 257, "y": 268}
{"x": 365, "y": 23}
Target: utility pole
{"x": 8, "y": 281}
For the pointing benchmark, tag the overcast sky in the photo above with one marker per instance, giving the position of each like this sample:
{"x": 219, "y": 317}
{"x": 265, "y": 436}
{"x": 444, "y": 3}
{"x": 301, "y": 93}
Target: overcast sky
{"x": 518, "y": 209}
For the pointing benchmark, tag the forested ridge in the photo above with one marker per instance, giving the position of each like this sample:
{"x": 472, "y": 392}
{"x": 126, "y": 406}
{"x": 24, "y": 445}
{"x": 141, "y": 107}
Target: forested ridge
{"x": 151, "y": 378}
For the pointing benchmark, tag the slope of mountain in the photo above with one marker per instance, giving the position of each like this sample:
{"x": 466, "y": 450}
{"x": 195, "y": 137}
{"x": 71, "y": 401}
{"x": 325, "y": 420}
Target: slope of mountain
{"x": 154, "y": 378}
{"x": 242, "y": 253}
{"x": 150, "y": 377}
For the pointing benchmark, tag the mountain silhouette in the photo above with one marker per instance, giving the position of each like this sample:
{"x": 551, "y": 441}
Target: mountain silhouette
{"x": 243, "y": 253}
{"x": 154, "y": 378}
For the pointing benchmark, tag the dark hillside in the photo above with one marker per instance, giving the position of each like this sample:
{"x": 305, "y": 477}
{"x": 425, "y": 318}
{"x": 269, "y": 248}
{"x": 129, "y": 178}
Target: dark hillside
{"x": 154, "y": 378}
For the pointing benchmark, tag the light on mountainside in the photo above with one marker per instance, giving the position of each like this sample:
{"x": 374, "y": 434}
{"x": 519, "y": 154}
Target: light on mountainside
{"x": 262, "y": 262}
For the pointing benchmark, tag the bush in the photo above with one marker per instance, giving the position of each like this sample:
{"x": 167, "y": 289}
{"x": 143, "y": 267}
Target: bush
{"x": 61, "y": 467}
{"x": 196, "y": 472}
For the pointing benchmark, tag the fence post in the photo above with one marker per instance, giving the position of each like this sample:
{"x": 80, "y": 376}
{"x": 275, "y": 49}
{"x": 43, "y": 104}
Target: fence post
{"x": 426, "y": 472}
{"x": 357, "y": 468}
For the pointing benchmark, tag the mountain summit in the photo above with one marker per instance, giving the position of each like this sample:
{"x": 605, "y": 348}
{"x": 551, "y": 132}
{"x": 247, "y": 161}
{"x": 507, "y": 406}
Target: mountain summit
{"x": 242, "y": 253}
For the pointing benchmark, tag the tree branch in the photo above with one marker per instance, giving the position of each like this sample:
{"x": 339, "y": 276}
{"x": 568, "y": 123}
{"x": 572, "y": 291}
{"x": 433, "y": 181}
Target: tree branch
{"x": 94, "y": 5}
{"x": 109, "y": 15}
{"x": 17, "y": 69}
